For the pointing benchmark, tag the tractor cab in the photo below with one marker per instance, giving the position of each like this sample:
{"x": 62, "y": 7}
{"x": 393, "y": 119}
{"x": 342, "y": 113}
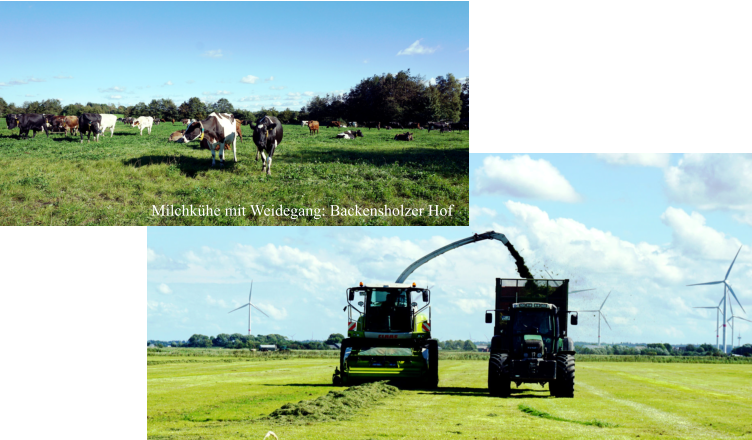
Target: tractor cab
{"x": 387, "y": 309}
{"x": 534, "y": 328}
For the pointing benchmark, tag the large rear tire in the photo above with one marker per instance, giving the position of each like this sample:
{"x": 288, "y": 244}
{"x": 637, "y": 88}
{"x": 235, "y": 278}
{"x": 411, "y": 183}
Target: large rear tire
{"x": 564, "y": 384}
{"x": 432, "y": 378}
{"x": 499, "y": 384}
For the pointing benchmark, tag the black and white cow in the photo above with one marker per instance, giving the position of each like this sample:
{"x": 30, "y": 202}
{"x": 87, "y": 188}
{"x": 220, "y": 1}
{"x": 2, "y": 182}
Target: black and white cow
{"x": 350, "y": 134}
{"x": 217, "y": 130}
{"x": 30, "y": 121}
{"x": 89, "y": 123}
{"x": 267, "y": 135}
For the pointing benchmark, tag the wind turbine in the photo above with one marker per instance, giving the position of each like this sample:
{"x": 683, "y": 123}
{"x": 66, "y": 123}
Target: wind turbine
{"x": 717, "y": 324}
{"x": 726, "y": 288}
{"x": 600, "y": 314}
{"x": 250, "y": 305}
{"x": 732, "y": 328}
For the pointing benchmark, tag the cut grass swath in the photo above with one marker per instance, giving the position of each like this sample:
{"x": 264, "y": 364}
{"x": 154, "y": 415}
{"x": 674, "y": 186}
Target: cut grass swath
{"x": 544, "y": 415}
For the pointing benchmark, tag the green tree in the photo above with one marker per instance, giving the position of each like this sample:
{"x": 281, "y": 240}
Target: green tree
{"x": 199, "y": 341}
{"x": 335, "y": 338}
{"x": 193, "y": 109}
{"x": 222, "y": 106}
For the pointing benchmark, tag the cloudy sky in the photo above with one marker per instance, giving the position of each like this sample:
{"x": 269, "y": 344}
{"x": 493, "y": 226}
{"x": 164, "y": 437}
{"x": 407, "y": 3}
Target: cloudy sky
{"x": 643, "y": 226}
{"x": 253, "y": 54}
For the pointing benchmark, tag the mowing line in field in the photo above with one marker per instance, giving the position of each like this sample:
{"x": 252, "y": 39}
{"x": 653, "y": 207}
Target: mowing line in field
{"x": 679, "y": 425}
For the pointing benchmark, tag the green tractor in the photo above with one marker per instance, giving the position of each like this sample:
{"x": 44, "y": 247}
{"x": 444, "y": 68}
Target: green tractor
{"x": 530, "y": 343}
{"x": 390, "y": 339}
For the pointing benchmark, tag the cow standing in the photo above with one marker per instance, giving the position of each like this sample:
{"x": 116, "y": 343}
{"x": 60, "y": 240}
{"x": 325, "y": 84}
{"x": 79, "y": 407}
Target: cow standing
{"x": 219, "y": 129}
{"x": 267, "y": 135}
{"x": 70, "y": 124}
{"x": 313, "y": 127}
{"x": 143, "y": 122}
{"x": 31, "y": 121}
{"x": 96, "y": 123}
{"x": 238, "y": 123}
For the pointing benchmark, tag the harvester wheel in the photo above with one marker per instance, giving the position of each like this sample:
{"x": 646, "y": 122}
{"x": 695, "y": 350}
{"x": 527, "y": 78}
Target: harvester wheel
{"x": 345, "y": 344}
{"x": 564, "y": 384}
{"x": 432, "y": 378}
{"x": 499, "y": 384}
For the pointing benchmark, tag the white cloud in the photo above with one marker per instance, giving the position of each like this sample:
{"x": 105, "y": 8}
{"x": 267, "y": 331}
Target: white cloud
{"x": 190, "y": 81}
{"x": 691, "y": 235}
{"x": 213, "y": 53}
{"x": 271, "y": 78}
{"x": 2, "y": 84}
{"x": 418, "y": 49}
{"x": 522, "y": 176}
{"x": 478, "y": 211}
{"x": 168, "y": 83}
{"x": 274, "y": 312}
{"x": 660, "y": 160}
{"x": 29, "y": 96}
{"x": 365, "y": 61}
{"x": 164, "y": 288}
{"x": 63, "y": 77}
{"x": 18, "y": 82}
{"x": 113, "y": 89}
{"x": 277, "y": 87}
{"x": 249, "y": 79}
{"x": 216, "y": 302}
{"x": 32, "y": 79}
{"x": 472, "y": 306}
{"x": 712, "y": 181}
{"x": 115, "y": 97}
{"x": 308, "y": 93}
{"x": 218, "y": 93}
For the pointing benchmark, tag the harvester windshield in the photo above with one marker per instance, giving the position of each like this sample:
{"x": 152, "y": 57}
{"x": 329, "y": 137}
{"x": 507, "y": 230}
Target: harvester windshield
{"x": 388, "y": 310}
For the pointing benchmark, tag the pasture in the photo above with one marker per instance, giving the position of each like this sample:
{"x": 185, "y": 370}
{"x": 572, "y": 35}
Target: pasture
{"x": 213, "y": 396}
{"x": 59, "y": 181}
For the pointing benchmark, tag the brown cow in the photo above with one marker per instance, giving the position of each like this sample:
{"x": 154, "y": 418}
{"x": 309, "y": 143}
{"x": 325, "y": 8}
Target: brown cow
{"x": 334, "y": 124}
{"x": 406, "y": 136}
{"x": 70, "y": 124}
{"x": 313, "y": 126}
{"x": 175, "y": 136}
{"x": 55, "y": 123}
{"x": 238, "y": 123}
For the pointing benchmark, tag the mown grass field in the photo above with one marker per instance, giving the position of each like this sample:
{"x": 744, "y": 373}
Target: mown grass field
{"x": 214, "y": 397}
{"x": 59, "y": 181}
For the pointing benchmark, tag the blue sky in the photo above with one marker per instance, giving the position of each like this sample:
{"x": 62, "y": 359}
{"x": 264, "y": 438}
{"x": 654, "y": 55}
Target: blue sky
{"x": 254, "y": 54}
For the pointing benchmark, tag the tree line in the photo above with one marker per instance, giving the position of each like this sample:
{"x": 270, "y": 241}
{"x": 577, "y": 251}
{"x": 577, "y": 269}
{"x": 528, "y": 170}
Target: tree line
{"x": 663, "y": 349}
{"x": 401, "y": 97}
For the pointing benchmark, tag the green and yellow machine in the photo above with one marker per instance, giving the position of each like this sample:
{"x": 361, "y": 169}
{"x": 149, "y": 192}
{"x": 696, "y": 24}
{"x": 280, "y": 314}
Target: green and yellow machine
{"x": 390, "y": 338}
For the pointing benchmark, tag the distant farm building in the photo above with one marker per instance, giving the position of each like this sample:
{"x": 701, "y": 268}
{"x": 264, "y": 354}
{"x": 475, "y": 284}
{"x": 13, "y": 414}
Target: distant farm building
{"x": 267, "y": 348}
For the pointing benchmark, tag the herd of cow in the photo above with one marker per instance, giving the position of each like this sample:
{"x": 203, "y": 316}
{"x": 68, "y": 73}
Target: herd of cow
{"x": 443, "y": 127}
{"x": 216, "y": 133}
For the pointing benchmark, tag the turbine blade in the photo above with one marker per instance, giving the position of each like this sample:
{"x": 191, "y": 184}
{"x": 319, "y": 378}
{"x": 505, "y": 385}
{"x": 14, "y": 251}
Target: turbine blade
{"x": 743, "y": 319}
{"x": 737, "y": 299}
{"x": 249, "y": 295}
{"x": 721, "y": 302}
{"x": 604, "y": 301}
{"x": 576, "y": 291}
{"x": 586, "y": 311}
{"x": 262, "y": 312}
{"x": 732, "y": 263}
{"x": 245, "y": 305}
{"x": 604, "y": 318}
{"x": 704, "y": 307}
{"x": 705, "y": 284}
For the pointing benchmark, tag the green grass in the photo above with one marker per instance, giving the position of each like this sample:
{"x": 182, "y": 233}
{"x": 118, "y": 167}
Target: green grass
{"x": 213, "y": 399}
{"x": 59, "y": 181}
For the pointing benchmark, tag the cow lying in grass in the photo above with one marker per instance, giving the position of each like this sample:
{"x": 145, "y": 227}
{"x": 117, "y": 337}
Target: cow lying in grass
{"x": 175, "y": 136}
{"x": 406, "y": 136}
{"x": 349, "y": 134}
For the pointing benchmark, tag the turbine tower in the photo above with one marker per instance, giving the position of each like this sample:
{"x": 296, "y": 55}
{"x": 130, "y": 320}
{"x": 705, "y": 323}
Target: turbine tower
{"x": 726, "y": 289}
{"x": 717, "y": 322}
{"x": 250, "y": 305}
{"x": 733, "y": 322}
{"x": 600, "y": 315}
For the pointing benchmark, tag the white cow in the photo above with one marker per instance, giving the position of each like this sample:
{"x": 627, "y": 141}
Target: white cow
{"x": 108, "y": 121}
{"x": 143, "y": 122}
{"x": 217, "y": 130}
{"x": 304, "y": 123}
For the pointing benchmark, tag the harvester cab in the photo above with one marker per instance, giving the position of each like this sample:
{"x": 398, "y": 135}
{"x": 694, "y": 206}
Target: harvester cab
{"x": 530, "y": 343}
{"x": 391, "y": 336}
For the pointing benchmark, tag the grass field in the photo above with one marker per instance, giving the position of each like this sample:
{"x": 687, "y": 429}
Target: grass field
{"x": 214, "y": 397}
{"x": 59, "y": 181}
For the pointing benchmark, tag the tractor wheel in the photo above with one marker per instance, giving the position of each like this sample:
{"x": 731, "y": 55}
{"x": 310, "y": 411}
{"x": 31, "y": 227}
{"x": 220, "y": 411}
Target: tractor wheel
{"x": 432, "y": 378}
{"x": 499, "y": 384}
{"x": 564, "y": 383}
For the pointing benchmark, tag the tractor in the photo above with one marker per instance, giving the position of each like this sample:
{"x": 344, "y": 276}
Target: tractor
{"x": 390, "y": 339}
{"x": 530, "y": 343}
